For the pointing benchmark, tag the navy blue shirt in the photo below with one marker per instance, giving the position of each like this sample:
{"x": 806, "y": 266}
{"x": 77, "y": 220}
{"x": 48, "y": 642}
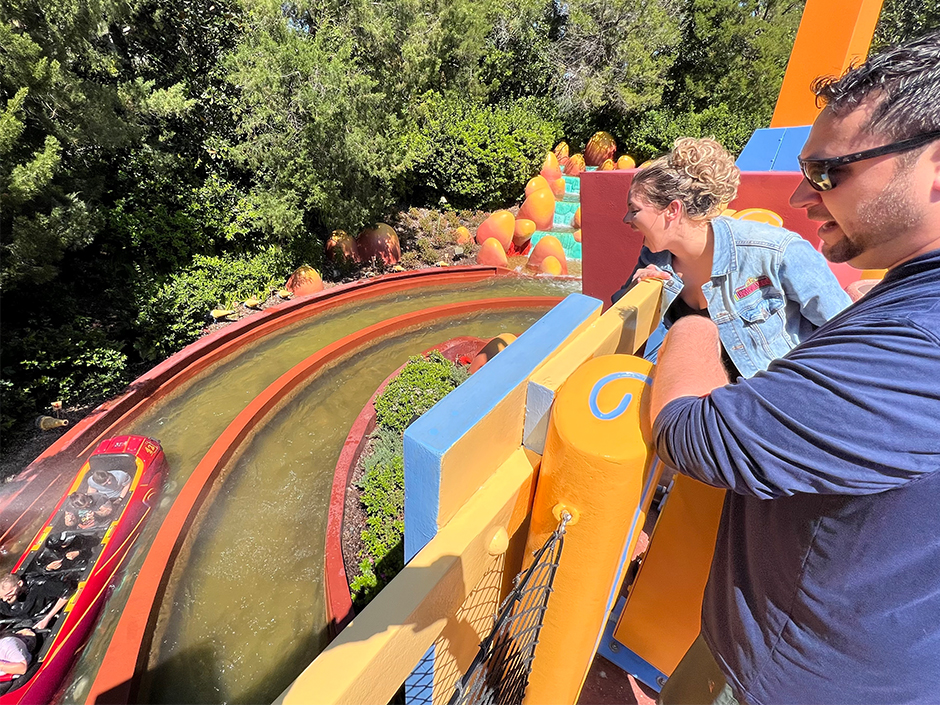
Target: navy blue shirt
{"x": 825, "y": 585}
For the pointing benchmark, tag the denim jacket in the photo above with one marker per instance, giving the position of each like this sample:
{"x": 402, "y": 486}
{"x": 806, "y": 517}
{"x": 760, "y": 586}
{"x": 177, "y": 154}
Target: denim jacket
{"x": 769, "y": 290}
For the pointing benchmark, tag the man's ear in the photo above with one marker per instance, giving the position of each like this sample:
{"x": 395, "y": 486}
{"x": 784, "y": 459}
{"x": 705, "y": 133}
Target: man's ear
{"x": 935, "y": 165}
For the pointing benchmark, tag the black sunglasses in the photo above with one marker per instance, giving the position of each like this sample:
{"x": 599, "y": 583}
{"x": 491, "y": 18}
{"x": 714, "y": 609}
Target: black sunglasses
{"x": 817, "y": 171}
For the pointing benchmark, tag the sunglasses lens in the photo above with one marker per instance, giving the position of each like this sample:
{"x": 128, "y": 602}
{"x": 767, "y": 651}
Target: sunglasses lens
{"x": 817, "y": 176}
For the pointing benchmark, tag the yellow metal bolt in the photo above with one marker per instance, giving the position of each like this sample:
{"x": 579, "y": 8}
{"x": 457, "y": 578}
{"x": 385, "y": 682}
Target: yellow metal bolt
{"x": 561, "y": 507}
{"x": 499, "y": 543}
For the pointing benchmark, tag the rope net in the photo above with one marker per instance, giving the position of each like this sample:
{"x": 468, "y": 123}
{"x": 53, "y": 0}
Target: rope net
{"x": 500, "y": 672}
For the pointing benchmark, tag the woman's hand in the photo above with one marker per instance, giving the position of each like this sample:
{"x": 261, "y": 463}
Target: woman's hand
{"x": 651, "y": 272}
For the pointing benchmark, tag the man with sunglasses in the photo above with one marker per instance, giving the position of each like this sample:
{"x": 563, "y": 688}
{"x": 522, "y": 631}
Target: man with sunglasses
{"x": 825, "y": 584}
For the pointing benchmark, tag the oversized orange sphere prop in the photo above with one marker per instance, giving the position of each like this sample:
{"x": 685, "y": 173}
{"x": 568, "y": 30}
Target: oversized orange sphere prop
{"x": 575, "y": 165}
{"x": 305, "y": 280}
{"x": 379, "y": 242}
{"x": 536, "y": 183}
{"x": 462, "y": 236}
{"x": 492, "y": 253}
{"x": 625, "y": 162}
{"x": 490, "y": 350}
{"x": 539, "y": 207}
{"x": 608, "y": 165}
{"x": 522, "y": 233}
{"x": 499, "y": 225}
{"x": 341, "y": 249}
{"x": 551, "y": 265}
{"x": 600, "y": 147}
{"x": 548, "y": 246}
{"x": 550, "y": 169}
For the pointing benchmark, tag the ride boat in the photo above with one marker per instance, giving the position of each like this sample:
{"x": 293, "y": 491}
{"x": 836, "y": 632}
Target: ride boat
{"x": 84, "y": 548}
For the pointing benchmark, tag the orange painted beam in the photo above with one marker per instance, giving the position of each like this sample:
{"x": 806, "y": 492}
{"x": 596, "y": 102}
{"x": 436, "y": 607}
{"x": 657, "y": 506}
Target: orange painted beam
{"x": 124, "y": 661}
{"x": 833, "y": 34}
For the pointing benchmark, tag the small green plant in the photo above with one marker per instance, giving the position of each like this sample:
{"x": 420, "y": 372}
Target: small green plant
{"x": 422, "y": 383}
{"x": 177, "y": 311}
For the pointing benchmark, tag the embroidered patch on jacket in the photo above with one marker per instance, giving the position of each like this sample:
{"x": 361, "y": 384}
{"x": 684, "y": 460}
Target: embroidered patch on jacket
{"x": 753, "y": 284}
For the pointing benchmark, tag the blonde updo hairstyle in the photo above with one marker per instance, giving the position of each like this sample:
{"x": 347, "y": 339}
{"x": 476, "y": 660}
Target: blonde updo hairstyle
{"x": 698, "y": 172}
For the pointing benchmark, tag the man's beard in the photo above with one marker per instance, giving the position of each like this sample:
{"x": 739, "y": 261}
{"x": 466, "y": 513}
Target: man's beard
{"x": 889, "y": 215}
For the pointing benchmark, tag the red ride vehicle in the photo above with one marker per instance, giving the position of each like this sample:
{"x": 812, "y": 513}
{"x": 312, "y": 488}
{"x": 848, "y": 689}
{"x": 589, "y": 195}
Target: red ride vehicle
{"x": 84, "y": 545}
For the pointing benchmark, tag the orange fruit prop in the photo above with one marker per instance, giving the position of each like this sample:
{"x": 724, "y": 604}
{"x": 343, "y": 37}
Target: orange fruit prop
{"x": 550, "y": 265}
{"x": 548, "y": 246}
{"x": 550, "y": 169}
{"x": 558, "y": 187}
{"x": 305, "y": 280}
{"x": 490, "y": 350}
{"x": 341, "y": 249}
{"x": 625, "y": 162}
{"x": 608, "y": 165}
{"x": 379, "y": 242}
{"x": 463, "y": 236}
{"x": 600, "y": 147}
{"x": 576, "y": 222}
{"x": 575, "y": 165}
{"x": 499, "y": 225}
{"x": 522, "y": 233}
{"x": 576, "y": 235}
{"x": 492, "y": 253}
{"x": 539, "y": 207}
{"x": 536, "y": 183}
{"x": 561, "y": 151}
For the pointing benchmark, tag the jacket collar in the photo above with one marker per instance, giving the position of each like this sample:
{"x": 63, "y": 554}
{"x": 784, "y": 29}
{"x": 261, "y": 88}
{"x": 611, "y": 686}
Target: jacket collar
{"x": 725, "y": 258}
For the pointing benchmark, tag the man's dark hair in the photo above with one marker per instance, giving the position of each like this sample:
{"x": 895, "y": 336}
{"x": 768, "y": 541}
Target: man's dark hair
{"x": 905, "y": 80}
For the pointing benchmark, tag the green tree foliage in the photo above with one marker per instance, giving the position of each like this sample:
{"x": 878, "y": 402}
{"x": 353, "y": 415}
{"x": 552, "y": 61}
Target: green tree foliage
{"x": 175, "y": 314}
{"x": 901, "y": 20}
{"x": 726, "y": 77}
{"x": 475, "y": 155}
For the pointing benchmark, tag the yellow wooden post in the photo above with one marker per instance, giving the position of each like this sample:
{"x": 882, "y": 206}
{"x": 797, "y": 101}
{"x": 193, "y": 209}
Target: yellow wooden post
{"x": 596, "y": 467}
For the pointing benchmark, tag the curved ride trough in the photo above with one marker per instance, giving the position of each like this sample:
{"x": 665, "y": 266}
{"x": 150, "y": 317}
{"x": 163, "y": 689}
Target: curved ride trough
{"x": 192, "y": 401}
{"x": 335, "y": 580}
{"x": 31, "y": 492}
{"x": 120, "y": 672}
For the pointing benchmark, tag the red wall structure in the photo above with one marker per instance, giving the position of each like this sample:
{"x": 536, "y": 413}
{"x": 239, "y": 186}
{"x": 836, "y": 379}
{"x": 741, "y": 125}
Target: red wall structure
{"x": 610, "y": 248}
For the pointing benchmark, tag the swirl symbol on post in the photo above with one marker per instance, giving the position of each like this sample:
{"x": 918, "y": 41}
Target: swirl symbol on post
{"x": 624, "y": 402}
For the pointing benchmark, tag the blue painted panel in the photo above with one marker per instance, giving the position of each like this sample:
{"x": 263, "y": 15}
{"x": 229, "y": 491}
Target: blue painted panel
{"x": 761, "y": 150}
{"x": 793, "y": 140}
{"x": 431, "y": 436}
{"x": 773, "y": 149}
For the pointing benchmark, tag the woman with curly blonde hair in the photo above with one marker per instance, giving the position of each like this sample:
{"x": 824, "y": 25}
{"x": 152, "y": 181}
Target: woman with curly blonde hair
{"x": 765, "y": 287}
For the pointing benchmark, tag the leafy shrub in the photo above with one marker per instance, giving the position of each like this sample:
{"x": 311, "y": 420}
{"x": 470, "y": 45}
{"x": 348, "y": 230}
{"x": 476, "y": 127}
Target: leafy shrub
{"x": 658, "y": 129}
{"x": 422, "y": 383}
{"x": 475, "y": 155}
{"x": 178, "y": 310}
{"x": 76, "y": 364}
{"x": 383, "y": 496}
